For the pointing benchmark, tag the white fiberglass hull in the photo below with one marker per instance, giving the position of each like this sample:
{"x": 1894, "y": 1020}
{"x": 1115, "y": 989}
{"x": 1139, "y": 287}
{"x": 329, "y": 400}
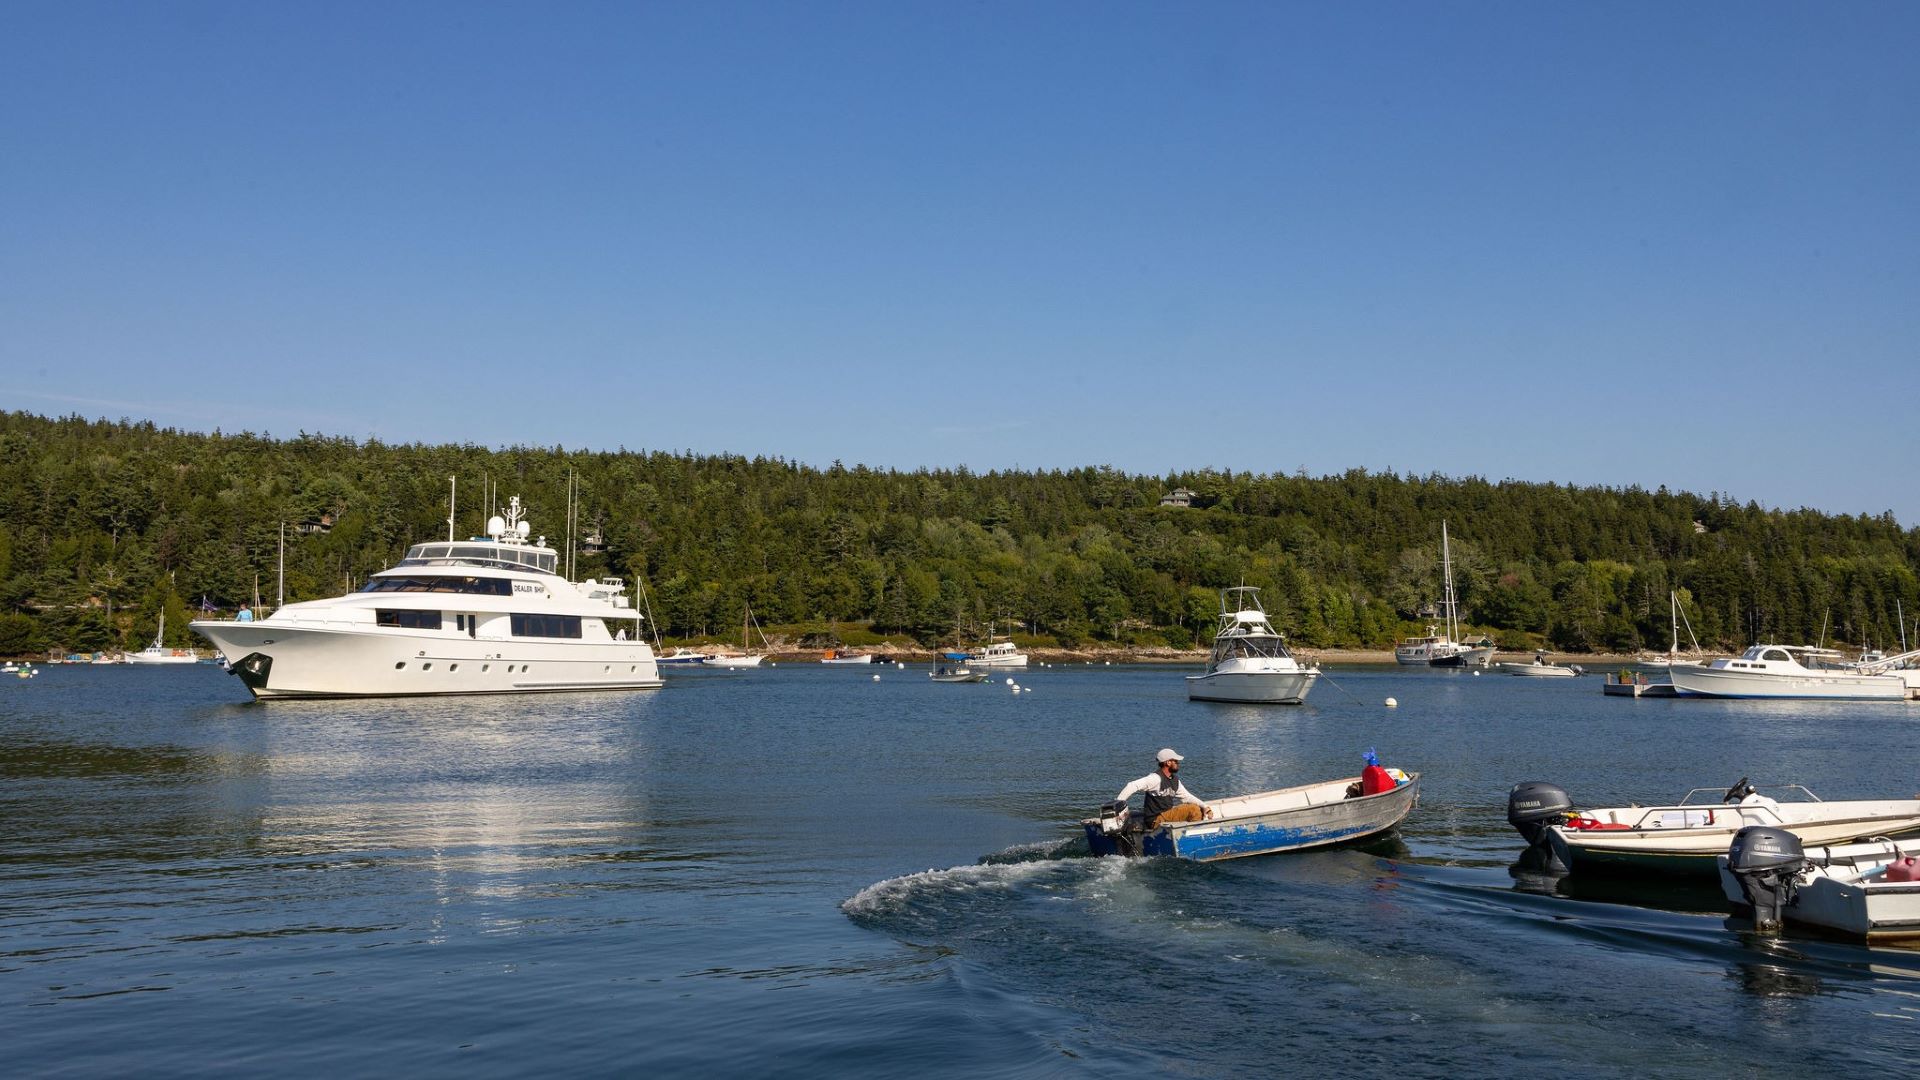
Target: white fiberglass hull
{"x": 1688, "y": 837}
{"x": 1252, "y": 686}
{"x": 735, "y": 661}
{"x": 1538, "y": 671}
{"x": 1836, "y": 686}
{"x": 1015, "y": 660}
{"x": 289, "y": 659}
{"x": 1849, "y": 895}
{"x": 150, "y": 656}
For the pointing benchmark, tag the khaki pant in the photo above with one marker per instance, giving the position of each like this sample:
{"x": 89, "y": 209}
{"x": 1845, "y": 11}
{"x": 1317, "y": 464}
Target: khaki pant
{"x": 1183, "y": 812}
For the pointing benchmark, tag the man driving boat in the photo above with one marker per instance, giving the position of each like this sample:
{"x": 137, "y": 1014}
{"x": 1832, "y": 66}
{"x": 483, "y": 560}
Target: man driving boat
{"x": 1167, "y": 799}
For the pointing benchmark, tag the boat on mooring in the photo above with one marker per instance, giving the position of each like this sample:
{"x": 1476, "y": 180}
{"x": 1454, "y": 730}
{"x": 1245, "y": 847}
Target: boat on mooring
{"x": 1266, "y": 823}
{"x": 1685, "y": 837}
{"x": 1539, "y": 669}
{"x": 956, "y": 672}
{"x": 489, "y": 615}
{"x": 1868, "y": 891}
{"x": 158, "y": 653}
{"x": 1789, "y": 671}
{"x": 1250, "y": 662}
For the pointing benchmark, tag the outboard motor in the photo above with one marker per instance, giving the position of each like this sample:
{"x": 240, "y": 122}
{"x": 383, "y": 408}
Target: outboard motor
{"x": 1533, "y": 806}
{"x": 1113, "y": 817}
{"x": 1766, "y": 862}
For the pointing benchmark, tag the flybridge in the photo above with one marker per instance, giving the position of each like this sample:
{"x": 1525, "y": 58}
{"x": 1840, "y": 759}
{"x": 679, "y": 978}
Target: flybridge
{"x": 504, "y": 546}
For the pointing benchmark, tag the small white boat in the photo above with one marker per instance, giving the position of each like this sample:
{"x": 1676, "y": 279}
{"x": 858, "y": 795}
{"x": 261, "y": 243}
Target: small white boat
{"x": 1788, "y": 671}
{"x": 1684, "y": 837}
{"x": 1539, "y": 669}
{"x": 683, "y": 656}
{"x": 1868, "y": 891}
{"x": 1250, "y": 662}
{"x": 158, "y": 653}
{"x": 749, "y": 659}
{"x": 835, "y": 656}
{"x": 956, "y": 673}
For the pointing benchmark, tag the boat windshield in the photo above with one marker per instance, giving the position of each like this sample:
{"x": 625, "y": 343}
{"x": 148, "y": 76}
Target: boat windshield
{"x": 1253, "y": 645}
{"x": 483, "y": 553}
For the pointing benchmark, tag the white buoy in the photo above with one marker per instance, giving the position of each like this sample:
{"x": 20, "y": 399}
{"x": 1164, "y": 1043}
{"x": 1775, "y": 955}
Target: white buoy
{"x": 899, "y": 665}
{"x": 1392, "y": 703}
{"x": 1026, "y": 689}
{"x": 1009, "y": 680}
{"x": 876, "y": 678}
{"x": 1476, "y": 674}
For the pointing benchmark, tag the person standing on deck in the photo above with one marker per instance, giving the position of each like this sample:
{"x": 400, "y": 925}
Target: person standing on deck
{"x": 1167, "y": 799}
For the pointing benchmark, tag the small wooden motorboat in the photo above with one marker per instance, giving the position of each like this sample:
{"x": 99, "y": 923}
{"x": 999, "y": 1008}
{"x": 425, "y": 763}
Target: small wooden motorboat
{"x": 1686, "y": 836}
{"x": 1291, "y": 819}
{"x": 836, "y": 656}
{"x": 1868, "y": 891}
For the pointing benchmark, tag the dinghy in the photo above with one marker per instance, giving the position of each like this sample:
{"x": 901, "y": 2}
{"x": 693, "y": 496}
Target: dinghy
{"x": 1868, "y": 891}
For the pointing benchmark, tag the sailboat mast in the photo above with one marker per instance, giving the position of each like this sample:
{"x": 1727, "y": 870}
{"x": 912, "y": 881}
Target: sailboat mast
{"x": 452, "y": 487}
{"x": 1446, "y": 566}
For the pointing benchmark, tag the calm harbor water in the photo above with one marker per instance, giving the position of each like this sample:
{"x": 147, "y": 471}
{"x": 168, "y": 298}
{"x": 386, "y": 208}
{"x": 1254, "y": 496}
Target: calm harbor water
{"x": 802, "y": 871}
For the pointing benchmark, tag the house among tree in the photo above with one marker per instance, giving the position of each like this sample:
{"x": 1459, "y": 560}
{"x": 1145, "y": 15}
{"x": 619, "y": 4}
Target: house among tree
{"x": 592, "y": 543}
{"x": 318, "y": 526}
{"x": 1178, "y": 497}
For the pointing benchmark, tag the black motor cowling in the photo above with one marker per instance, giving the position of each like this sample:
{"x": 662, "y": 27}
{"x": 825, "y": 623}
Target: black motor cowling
{"x": 1766, "y": 861}
{"x": 1533, "y": 806}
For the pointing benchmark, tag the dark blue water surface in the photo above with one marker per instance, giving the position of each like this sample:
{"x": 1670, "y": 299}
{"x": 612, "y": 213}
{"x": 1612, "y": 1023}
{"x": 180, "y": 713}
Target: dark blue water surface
{"x": 802, "y": 871}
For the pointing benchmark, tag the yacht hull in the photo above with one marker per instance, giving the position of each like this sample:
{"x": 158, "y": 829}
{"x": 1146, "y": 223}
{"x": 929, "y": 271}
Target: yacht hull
{"x": 285, "y": 659}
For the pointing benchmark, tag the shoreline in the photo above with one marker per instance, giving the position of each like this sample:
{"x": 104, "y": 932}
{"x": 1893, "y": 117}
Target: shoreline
{"x": 1168, "y": 655}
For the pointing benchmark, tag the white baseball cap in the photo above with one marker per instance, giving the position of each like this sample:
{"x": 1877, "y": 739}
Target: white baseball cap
{"x": 1167, "y": 755}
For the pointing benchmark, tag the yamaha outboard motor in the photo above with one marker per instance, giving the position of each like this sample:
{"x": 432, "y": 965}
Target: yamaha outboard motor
{"x": 1766, "y": 862}
{"x": 1533, "y": 806}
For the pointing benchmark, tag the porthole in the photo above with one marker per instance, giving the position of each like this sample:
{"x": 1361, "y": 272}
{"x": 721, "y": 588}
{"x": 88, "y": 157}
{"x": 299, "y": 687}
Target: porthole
{"x": 428, "y": 666}
{"x": 484, "y": 668}
{"x": 401, "y": 666}
{"x": 453, "y": 667}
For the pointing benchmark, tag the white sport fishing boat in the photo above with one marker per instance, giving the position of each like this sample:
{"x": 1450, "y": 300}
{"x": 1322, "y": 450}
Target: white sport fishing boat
{"x": 490, "y": 615}
{"x": 1250, "y": 662}
{"x": 1788, "y": 671}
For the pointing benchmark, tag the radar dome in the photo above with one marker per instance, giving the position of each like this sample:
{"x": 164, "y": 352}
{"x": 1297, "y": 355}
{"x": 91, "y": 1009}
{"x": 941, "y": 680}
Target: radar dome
{"x": 496, "y": 525}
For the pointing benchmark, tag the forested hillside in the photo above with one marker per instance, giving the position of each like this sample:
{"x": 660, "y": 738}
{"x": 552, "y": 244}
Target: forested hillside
{"x": 102, "y": 524}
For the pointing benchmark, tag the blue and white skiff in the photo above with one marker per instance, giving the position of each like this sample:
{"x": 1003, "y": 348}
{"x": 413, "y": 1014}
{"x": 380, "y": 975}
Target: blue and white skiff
{"x": 1291, "y": 819}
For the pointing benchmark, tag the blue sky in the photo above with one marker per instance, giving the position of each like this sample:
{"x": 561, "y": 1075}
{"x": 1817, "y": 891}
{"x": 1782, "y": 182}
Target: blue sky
{"x": 1625, "y": 243}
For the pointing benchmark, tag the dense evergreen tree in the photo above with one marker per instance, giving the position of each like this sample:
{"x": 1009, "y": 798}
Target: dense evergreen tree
{"x": 105, "y": 524}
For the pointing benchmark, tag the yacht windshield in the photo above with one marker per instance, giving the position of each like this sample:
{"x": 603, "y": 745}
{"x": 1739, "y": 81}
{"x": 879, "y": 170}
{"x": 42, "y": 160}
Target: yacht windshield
{"x": 482, "y": 554}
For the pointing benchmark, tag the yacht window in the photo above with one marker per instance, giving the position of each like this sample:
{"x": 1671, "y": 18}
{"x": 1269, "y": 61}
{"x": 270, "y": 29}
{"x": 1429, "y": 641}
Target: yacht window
{"x": 415, "y": 620}
{"x": 478, "y": 586}
{"x": 551, "y": 626}
{"x": 1775, "y": 654}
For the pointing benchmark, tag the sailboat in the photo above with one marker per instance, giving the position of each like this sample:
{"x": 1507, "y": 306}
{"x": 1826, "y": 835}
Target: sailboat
{"x": 750, "y": 658}
{"x": 1672, "y": 656}
{"x": 1441, "y": 649}
{"x": 158, "y": 653}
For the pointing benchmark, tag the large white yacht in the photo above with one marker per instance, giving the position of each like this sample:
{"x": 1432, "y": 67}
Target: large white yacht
{"x": 1250, "y": 662}
{"x": 490, "y": 615}
{"x": 1787, "y": 671}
